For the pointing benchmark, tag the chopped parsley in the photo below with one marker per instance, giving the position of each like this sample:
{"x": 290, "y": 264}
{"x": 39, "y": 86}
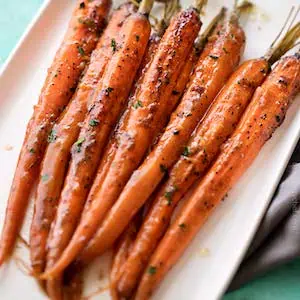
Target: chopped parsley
{"x": 152, "y": 270}
{"x": 137, "y": 104}
{"x": 93, "y": 122}
{"x": 113, "y": 45}
{"x": 82, "y": 5}
{"x": 31, "y": 150}
{"x": 81, "y": 50}
{"x": 79, "y": 143}
{"x": 186, "y": 151}
{"x": 168, "y": 195}
{"x": 45, "y": 177}
{"x": 52, "y": 136}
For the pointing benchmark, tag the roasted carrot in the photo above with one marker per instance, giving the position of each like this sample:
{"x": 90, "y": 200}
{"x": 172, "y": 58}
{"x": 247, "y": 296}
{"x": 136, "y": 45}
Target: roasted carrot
{"x": 79, "y": 41}
{"x": 183, "y": 121}
{"x": 198, "y": 154}
{"x": 122, "y": 250}
{"x": 66, "y": 131}
{"x": 110, "y": 96}
{"x": 211, "y": 76}
{"x": 142, "y": 122}
{"x": 264, "y": 114}
{"x": 214, "y": 129}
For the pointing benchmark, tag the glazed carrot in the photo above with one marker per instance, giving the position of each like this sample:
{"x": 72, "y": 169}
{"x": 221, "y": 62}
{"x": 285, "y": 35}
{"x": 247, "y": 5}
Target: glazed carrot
{"x": 110, "y": 96}
{"x": 183, "y": 121}
{"x": 122, "y": 250}
{"x": 79, "y": 41}
{"x": 198, "y": 154}
{"x": 264, "y": 114}
{"x": 204, "y": 86}
{"x": 65, "y": 133}
{"x": 142, "y": 122}
{"x": 204, "y": 145}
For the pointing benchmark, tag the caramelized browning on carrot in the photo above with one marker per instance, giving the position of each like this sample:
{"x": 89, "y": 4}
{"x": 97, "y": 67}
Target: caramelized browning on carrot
{"x": 65, "y": 133}
{"x": 202, "y": 148}
{"x": 264, "y": 114}
{"x": 110, "y": 97}
{"x": 79, "y": 41}
{"x": 138, "y": 128}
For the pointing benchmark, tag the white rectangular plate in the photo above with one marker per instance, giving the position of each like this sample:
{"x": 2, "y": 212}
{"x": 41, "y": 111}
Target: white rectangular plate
{"x": 207, "y": 267}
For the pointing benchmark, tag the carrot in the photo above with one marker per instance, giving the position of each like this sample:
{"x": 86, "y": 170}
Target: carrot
{"x": 110, "y": 96}
{"x": 201, "y": 150}
{"x": 66, "y": 131}
{"x": 177, "y": 134}
{"x": 216, "y": 126}
{"x": 142, "y": 122}
{"x": 79, "y": 41}
{"x": 194, "y": 109}
{"x": 122, "y": 250}
{"x": 264, "y": 114}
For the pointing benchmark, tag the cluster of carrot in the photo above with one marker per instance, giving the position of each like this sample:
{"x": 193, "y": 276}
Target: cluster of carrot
{"x": 129, "y": 119}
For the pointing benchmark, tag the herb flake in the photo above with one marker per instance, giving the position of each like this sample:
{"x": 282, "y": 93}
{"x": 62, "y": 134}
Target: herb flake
{"x": 80, "y": 50}
{"x": 93, "y": 122}
{"x": 137, "y": 104}
{"x": 79, "y": 143}
{"x": 113, "y": 45}
{"x": 45, "y": 177}
{"x": 52, "y": 136}
{"x": 186, "y": 151}
{"x": 152, "y": 270}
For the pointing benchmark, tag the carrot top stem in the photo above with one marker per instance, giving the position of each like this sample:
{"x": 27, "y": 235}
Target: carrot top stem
{"x": 280, "y": 46}
{"x": 170, "y": 9}
{"x": 145, "y": 7}
{"x": 199, "y": 5}
{"x": 210, "y": 28}
{"x": 285, "y": 44}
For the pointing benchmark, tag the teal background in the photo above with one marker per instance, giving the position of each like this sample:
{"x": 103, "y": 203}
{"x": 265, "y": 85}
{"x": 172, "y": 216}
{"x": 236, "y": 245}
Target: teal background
{"x": 280, "y": 284}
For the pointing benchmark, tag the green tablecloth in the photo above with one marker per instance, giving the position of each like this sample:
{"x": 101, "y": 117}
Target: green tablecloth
{"x": 281, "y": 284}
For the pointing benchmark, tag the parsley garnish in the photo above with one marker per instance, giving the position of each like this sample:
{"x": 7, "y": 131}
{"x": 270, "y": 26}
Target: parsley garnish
{"x": 81, "y": 50}
{"x": 32, "y": 150}
{"x": 45, "y": 177}
{"x": 52, "y": 136}
{"x": 186, "y": 151}
{"x": 113, "y": 45}
{"x": 151, "y": 270}
{"x": 137, "y": 104}
{"x": 93, "y": 122}
{"x": 78, "y": 144}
